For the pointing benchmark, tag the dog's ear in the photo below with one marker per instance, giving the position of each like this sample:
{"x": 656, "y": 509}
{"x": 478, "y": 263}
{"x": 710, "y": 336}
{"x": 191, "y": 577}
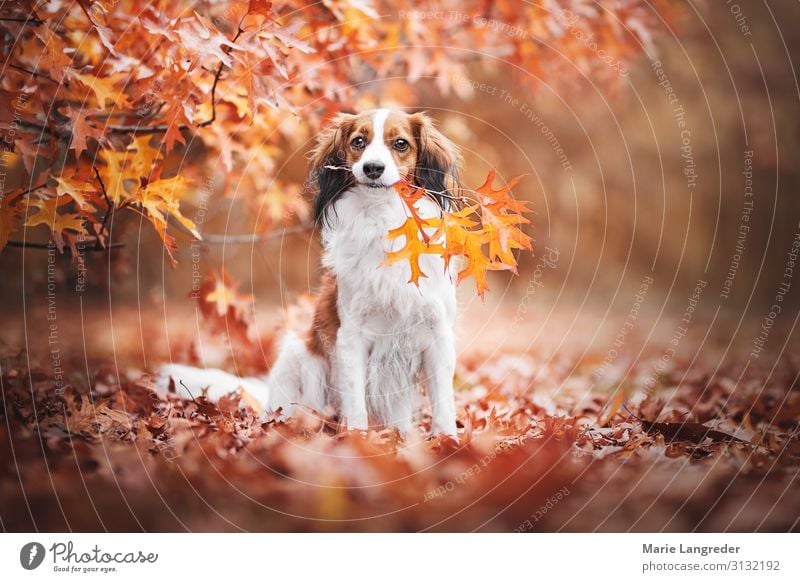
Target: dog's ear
{"x": 329, "y": 168}
{"x": 438, "y": 161}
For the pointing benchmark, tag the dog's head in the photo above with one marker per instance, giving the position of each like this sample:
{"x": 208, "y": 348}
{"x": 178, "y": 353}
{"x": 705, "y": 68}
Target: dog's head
{"x": 376, "y": 149}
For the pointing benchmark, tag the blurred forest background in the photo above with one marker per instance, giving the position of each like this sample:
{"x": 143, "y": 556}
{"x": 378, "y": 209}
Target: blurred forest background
{"x": 664, "y": 189}
{"x": 615, "y": 205}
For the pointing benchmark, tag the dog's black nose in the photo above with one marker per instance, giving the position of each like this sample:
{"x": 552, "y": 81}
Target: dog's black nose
{"x": 373, "y": 170}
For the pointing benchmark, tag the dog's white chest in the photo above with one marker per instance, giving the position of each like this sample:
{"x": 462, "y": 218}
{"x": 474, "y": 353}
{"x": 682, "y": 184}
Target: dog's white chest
{"x": 380, "y": 295}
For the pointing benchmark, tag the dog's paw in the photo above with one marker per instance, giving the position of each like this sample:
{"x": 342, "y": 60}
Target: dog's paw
{"x": 357, "y": 422}
{"x": 445, "y": 428}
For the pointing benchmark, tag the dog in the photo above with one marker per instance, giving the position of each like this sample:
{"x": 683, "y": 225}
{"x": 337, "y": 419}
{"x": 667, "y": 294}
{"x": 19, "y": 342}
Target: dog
{"x": 375, "y": 336}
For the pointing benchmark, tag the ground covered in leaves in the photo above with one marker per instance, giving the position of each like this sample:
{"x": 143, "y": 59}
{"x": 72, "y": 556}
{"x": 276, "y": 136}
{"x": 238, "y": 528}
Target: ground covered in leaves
{"x": 544, "y": 446}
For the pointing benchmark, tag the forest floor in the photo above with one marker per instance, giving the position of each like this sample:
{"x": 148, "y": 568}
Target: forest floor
{"x": 565, "y": 439}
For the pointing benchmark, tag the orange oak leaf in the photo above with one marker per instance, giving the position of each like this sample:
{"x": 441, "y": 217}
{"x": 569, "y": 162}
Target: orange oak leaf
{"x": 260, "y": 7}
{"x": 225, "y": 296}
{"x": 144, "y": 158}
{"x": 10, "y": 211}
{"x": 478, "y": 264}
{"x": 115, "y": 173}
{"x": 500, "y": 198}
{"x": 493, "y": 221}
{"x": 504, "y": 236}
{"x": 455, "y": 229}
{"x": 501, "y": 216}
{"x": 46, "y": 213}
{"x": 412, "y": 249}
{"x": 77, "y": 189}
{"x": 81, "y": 128}
{"x": 410, "y": 195}
{"x": 106, "y": 89}
{"x": 162, "y": 198}
{"x": 226, "y": 309}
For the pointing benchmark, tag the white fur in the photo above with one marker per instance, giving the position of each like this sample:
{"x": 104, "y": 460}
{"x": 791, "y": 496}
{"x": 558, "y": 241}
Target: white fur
{"x": 392, "y": 333}
{"x": 376, "y": 151}
{"x": 191, "y": 382}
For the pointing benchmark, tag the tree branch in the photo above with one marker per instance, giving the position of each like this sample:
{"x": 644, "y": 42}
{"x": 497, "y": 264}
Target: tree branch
{"x": 144, "y": 129}
{"x": 26, "y": 21}
{"x": 44, "y": 246}
{"x": 243, "y": 239}
{"x": 149, "y": 129}
{"x": 109, "y": 205}
{"x": 228, "y": 49}
{"x": 34, "y": 189}
{"x": 33, "y": 73}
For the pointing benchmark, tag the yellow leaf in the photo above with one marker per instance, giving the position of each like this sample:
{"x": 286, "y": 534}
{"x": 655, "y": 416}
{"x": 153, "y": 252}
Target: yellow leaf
{"x": 145, "y": 157}
{"x": 412, "y": 249}
{"x": 78, "y": 190}
{"x": 104, "y": 88}
{"x": 47, "y": 214}
{"x": 161, "y": 198}
{"x": 613, "y": 407}
{"x": 115, "y": 173}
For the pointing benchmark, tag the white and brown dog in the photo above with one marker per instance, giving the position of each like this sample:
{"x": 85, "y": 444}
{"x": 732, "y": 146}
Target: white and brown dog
{"x": 374, "y": 335}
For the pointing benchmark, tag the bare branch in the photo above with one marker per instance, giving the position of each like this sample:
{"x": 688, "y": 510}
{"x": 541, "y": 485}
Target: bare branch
{"x": 33, "y": 73}
{"x": 145, "y": 129}
{"x": 26, "y": 21}
{"x": 109, "y": 206}
{"x": 213, "y": 117}
{"x": 242, "y": 239}
{"x": 34, "y": 189}
{"x": 45, "y": 246}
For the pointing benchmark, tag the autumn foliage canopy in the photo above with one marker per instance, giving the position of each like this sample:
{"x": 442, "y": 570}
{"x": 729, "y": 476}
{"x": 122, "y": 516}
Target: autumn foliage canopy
{"x": 123, "y": 106}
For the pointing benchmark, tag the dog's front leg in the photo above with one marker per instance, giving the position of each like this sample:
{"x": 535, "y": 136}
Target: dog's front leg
{"x": 439, "y": 364}
{"x": 351, "y": 366}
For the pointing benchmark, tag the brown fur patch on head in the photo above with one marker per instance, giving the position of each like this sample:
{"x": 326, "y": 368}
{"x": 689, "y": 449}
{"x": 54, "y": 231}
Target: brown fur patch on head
{"x": 438, "y": 159}
{"x": 329, "y": 165}
{"x": 331, "y": 140}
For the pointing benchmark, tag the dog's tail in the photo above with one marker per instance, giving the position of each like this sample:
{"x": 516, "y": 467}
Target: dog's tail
{"x": 296, "y": 377}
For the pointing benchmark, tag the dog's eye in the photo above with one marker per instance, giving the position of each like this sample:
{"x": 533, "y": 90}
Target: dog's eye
{"x": 358, "y": 143}
{"x": 400, "y": 144}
